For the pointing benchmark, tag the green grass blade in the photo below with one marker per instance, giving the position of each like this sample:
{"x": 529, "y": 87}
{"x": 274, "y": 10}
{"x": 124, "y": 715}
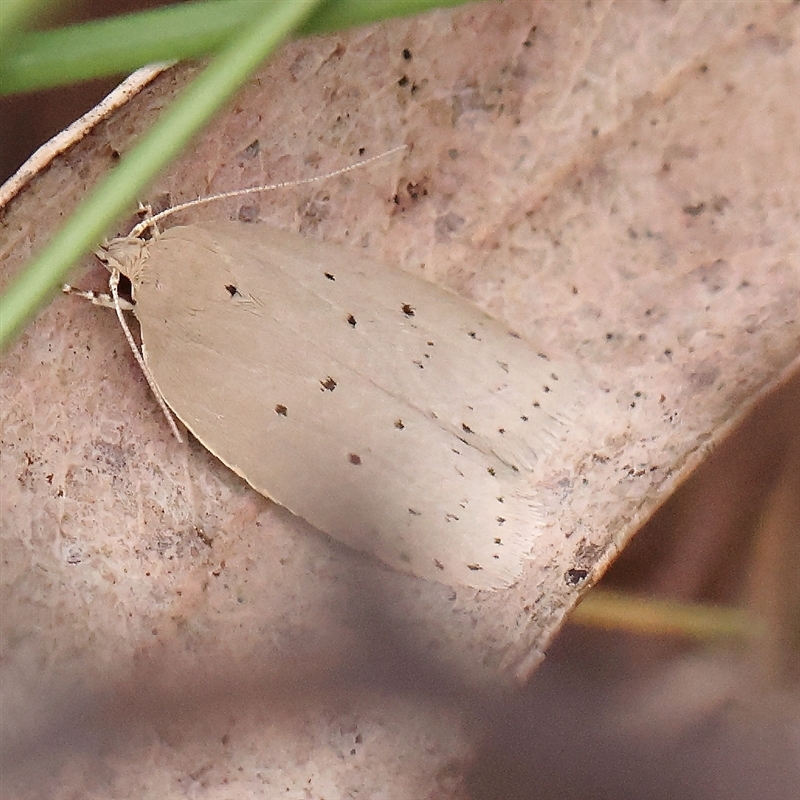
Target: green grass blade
{"x": 119, "y": 45}
{"x": 163, "y": 142}
{"x": 603, "y": 608}
{"x": 17, "y": 16}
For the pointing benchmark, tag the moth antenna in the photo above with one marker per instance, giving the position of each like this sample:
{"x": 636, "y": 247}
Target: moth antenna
{"x": 151, "y": 221}
{"x": 113, "y": 285}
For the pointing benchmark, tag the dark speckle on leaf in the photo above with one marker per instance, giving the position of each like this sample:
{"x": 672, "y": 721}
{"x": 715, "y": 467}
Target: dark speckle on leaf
{"x": 232, "y": 290}
{"x": 575, "y": 576}
{"x": 281, "y": 410}
{"x": 252, "y": 150}
{"x": 329, "y": 384}
{"x": 416, "y": 190}
{"x": 408, "y": 310}
{"x": 247, "y": 213}
{"x": 354, "y": 459}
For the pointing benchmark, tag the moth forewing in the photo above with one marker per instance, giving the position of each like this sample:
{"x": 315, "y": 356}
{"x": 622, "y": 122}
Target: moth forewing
{"x": 391, "y": 414}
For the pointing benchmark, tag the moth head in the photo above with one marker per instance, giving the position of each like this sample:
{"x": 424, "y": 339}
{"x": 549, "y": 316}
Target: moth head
{"x": 126, "y": 254}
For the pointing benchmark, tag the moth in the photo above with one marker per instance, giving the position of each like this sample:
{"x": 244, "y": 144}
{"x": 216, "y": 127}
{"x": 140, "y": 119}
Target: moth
{"x": 389, "y": 413}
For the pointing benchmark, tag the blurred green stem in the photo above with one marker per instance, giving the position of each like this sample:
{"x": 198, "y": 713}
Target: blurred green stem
{"x": 119, "y": 45}
{"x": 188, "y": 114}
{"x": 602, "y": 608}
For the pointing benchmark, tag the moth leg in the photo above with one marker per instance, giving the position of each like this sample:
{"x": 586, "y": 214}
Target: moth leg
{"x": 98, "y": 298}
{"x": 116, "y": 300}
{"x": 149, "y": 221}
